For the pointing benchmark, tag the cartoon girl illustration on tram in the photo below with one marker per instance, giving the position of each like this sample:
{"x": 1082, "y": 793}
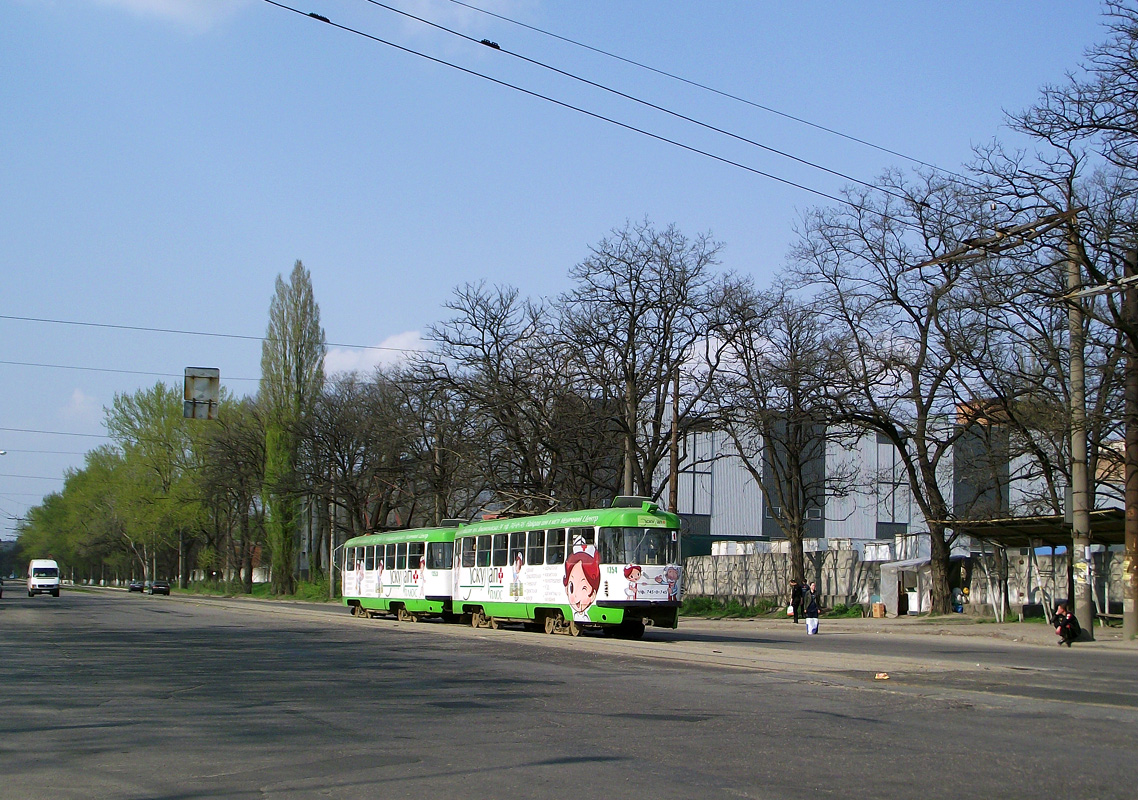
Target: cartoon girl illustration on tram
{"x": 633, "y": 572}
{"x": 582, "y": 579}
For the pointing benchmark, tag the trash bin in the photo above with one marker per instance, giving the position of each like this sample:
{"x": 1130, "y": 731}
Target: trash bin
{"x": 878, "y": 610}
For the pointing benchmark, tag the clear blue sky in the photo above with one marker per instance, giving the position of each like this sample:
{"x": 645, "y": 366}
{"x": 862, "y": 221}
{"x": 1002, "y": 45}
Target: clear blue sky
{"x": 164, "y": 160}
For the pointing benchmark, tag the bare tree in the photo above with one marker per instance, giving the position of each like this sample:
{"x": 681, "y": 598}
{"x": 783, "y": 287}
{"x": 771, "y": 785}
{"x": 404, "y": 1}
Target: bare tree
{"x": 443, "y": 440}
{"x": 896, "y": 307}
{"x": 539, "y": 445}
{"x": 773, "y": 399}
{"x": 232, "y": 475}
{"x": 638, "y": 320}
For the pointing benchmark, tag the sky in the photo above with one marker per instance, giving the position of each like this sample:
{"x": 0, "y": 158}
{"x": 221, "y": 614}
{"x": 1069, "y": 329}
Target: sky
{"x": 163, "y": 161}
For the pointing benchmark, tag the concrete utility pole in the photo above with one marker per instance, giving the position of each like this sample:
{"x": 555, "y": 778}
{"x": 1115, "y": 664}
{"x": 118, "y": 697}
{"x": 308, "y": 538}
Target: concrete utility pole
{"x": 630, "y": 440}
{"x": 332, "y": 545}
{"x": 1130, "y": 556}
{"x": 674, "y": 448}
{"x": 1080, "y": 483}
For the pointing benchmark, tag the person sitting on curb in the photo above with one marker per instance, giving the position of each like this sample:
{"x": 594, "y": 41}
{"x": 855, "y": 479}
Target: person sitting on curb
{"x": 1066, "y": 625}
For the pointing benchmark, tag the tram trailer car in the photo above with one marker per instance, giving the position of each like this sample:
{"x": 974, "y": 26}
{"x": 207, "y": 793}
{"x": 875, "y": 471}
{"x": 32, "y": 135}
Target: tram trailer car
{"x": 616, "y": 569}
{"x": 406, "y": 573}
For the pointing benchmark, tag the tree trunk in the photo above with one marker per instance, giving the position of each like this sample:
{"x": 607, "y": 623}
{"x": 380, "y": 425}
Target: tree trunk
{"x": 940, "y": 594}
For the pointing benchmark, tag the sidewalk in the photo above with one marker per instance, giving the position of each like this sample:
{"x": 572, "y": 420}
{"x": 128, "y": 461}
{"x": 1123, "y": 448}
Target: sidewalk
{"x": 1032, "y": 633}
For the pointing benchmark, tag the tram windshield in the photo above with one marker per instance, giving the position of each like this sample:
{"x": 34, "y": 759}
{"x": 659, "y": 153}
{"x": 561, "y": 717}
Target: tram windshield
{"x": 643, "y": 546}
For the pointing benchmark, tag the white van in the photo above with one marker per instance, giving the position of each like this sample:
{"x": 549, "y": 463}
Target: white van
{"x": 43, "y": 577}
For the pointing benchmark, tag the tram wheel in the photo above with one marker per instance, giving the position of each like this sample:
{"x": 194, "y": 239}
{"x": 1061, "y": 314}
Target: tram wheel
{"x": 551, "y": 621}
{"x": 355, "y": 611}
{"x": 492, "y": 623}
{"x": 476, "y": 619}
{"x": 631, "y": 630}
{"x": 573, "y": 629}
{"x": 403, "y": 615}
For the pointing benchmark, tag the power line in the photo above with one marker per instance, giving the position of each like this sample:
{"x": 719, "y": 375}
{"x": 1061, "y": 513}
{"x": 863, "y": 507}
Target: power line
{"x": 47, "y": 452}
{"x": 633, "y": 98}
{"x": 915, "y": 226}
{"x": 56, "y": 433}
{"x": 31, "y": 477}
{"x": 566, "y": 105}
{"x": 144, "y": 329}
{"x": 107, "y": 369}
{"x": 711, "y": 89}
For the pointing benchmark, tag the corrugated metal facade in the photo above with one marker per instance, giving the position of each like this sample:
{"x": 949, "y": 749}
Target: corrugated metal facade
{"x": 878, "y": 505}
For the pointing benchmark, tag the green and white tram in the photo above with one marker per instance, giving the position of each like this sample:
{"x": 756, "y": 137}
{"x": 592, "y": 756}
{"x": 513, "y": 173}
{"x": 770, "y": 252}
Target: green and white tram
{"x": 612, "y": 568}
{"x": 407, "y": 573}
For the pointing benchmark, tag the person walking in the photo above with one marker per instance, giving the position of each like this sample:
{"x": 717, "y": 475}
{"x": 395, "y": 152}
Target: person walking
{"x": 810, "y": 602}
{"x": 796, "y": 598}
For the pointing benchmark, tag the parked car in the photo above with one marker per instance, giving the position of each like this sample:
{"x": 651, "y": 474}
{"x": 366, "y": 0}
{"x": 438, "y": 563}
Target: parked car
{"x": 135, "y": 586}
{"x": 159, "y": 587}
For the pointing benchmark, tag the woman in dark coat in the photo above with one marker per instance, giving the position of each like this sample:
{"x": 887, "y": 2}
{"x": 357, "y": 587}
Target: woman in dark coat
{"x": 810, "y": 602}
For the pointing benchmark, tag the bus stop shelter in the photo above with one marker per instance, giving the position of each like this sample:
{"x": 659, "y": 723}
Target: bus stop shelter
{"x": 1107, "y": 528}
{"x": 1054, "y": 531}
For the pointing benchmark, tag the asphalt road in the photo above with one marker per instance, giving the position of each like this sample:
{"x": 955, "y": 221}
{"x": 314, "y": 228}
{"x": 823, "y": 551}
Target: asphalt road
{"x": 112, "y": 695}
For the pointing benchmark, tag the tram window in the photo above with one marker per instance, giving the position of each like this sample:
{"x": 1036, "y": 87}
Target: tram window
{"x": 517, "y": 547}
{"x": 401, "y": 555}
{"x": 440, "y": 555}
{"x": 581, "y": 536}
{"x": 349, "y": 558}
{"x": 389, "y": 559}
{"x": 369, "y": 558}
{"x": 536, "y": 554}
{"x": 484, "y": 550}
{"x": 468, "y": 548}
{"x": 555, "y": 546}
{"x": 501, "y": 554}
{"x": 415, "y": 555}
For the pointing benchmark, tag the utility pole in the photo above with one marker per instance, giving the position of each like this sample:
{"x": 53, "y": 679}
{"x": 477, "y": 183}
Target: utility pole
{"x": 630, "y": 440}
{"x": 332, "y": 543}
{"x": 1130, "y": 555}
{"x": 674, "y": 447}
{"x": 1080, "y": 484}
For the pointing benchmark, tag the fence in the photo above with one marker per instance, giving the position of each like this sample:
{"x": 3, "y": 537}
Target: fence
{"x": 842, "y": 577}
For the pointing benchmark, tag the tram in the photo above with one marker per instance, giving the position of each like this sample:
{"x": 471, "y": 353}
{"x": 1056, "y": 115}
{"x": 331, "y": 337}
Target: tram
{"x": 615, "y": 569}
{"x": 406, "y": 573}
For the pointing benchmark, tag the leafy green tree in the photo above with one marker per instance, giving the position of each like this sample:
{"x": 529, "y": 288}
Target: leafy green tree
{"x": 158, "y": 447}
{"x": 292, "y": 377}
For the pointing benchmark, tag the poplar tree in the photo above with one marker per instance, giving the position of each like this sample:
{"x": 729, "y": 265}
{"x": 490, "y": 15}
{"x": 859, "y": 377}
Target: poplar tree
{"x": 292, "y": 376}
